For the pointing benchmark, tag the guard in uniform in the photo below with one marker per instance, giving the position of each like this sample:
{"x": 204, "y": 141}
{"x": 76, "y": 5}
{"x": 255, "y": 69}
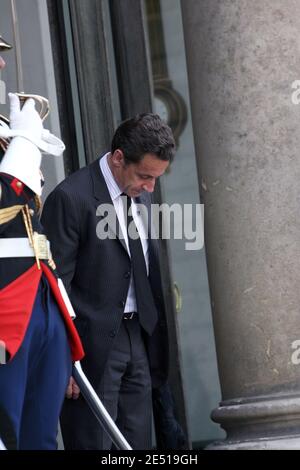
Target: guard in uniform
{"x": 38, "y": 340}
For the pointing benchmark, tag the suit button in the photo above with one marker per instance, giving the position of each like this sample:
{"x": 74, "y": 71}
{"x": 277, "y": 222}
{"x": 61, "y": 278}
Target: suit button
{"x": 112, "y": 333}
{"x": 127, "y": 275}
{"x": 122, "y": 303}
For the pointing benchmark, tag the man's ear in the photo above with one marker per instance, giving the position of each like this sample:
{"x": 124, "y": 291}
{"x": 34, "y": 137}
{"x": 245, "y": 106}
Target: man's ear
{"x": 118, "y": 158}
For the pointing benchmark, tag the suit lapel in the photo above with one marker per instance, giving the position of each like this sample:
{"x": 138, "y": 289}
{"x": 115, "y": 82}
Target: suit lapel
{"x": 102, "y": 196}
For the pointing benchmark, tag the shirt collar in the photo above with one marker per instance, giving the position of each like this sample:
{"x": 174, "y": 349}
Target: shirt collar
{"x": 112, "y": 185}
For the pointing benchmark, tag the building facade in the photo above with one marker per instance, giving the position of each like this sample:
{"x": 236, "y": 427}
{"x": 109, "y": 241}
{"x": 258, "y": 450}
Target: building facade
{"x": 221, "y": 74}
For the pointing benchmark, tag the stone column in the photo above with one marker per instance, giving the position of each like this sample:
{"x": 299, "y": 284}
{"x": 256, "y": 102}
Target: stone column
{"x": 243, "y": 58}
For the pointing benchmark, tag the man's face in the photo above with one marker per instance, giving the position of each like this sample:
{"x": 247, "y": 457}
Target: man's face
{"x": 134, "y": 178}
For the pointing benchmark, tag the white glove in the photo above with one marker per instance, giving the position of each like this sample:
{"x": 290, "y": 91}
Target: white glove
{"x": 22, "y": 159}
{"x": 27, "y": 123}
{"x": 26, "y": 119}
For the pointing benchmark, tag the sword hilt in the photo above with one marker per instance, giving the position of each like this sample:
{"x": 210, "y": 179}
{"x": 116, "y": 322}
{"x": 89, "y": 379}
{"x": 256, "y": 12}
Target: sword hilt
{"x": 42, "y": 102}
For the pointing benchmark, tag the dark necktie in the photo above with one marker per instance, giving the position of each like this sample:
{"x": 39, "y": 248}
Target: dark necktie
{"x": 144, "y": 298}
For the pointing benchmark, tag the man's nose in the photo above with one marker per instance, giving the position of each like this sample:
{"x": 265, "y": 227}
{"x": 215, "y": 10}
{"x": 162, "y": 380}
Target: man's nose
{"x": 149, "y": 186}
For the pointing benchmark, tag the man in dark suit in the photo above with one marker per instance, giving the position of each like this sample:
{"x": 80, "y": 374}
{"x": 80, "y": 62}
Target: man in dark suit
{"x": 110, "y": 268}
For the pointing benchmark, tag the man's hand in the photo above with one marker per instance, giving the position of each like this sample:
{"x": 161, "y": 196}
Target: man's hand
{"x": 26, "y": 119}
{"x": 73, "y": 390}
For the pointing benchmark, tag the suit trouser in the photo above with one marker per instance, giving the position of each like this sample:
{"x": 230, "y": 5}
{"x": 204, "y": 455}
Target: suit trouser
{"x": 33, "y": 384}
{"x": 125, "y": 390}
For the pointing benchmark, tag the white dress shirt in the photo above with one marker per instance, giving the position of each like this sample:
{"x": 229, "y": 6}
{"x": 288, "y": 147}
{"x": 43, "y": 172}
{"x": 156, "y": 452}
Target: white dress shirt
{"x": 115, "y": 194}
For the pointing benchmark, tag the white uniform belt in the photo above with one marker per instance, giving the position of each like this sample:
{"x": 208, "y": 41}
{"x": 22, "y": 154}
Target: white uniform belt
{"x": 19, "y": 248}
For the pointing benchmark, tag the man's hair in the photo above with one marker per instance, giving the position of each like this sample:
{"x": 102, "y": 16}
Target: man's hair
{"x": 142, "y": 134}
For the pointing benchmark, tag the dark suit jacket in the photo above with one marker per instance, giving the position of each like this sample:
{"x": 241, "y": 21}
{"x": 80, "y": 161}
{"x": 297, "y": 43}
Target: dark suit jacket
{"x": 96, "y": 272}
